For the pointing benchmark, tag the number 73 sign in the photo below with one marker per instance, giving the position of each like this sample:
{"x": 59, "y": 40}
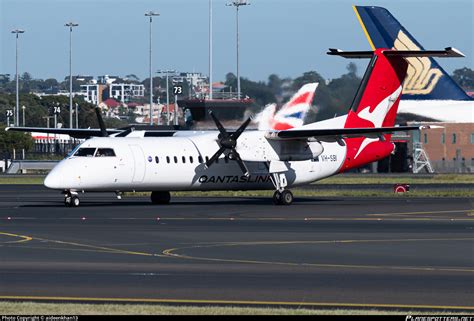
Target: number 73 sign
{"x": 178, "y": 90}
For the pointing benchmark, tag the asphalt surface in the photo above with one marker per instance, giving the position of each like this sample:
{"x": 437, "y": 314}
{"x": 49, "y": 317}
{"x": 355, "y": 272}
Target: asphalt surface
{"x": 349, "y": 252}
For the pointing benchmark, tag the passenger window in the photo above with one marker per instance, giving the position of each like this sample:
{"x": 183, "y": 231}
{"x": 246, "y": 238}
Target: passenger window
{"x": 157, "y": 160}
{"x": 207, "y": 159}
{"x": 191, "y": 159}
{"x": 85, "y": 152}
{"x": 184, "y": 159}
{"x": 200, "y": 159}
{"x": 105, "y": 152}
{"x": 175, "y": 159}
{"x": 168, "y": 159}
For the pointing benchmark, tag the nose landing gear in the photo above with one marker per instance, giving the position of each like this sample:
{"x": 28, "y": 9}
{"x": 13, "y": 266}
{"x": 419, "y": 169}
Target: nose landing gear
{"x": 71, "y": 199}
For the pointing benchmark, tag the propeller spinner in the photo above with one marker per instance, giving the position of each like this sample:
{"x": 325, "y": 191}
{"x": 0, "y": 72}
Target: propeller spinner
{"x": 229, "y": 141}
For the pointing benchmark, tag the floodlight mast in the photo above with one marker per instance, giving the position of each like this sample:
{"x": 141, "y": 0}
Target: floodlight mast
{"x": 70, "y": 25}
{"x": 16, "y": 120}
{"x": 210, "y": 49}
{"x": 167, "y": 73}
{"x": 151, "y": 14}
{"x": 237, "y": 4}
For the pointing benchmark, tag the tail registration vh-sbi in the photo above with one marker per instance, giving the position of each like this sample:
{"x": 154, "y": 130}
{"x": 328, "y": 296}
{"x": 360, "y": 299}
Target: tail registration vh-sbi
{"x": 244, "y": 160}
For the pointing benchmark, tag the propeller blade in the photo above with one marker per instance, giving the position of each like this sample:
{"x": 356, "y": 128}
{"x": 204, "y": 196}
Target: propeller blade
{"x": 219, "y": 125}
{"x": 215, "y": 156}
{"x": 103, "y": 129}
{"x": 240, "y": 162}
{"x": 241, "y": 129}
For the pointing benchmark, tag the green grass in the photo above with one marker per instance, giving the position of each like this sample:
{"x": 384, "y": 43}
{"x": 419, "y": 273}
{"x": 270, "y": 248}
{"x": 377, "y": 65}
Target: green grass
{"x": 358, "y": 179}
{"x": 33, "y": 308}
{"x": 323, "y": 193}
{"x": 19, "y": 180}
{"x": 404, "y": 178}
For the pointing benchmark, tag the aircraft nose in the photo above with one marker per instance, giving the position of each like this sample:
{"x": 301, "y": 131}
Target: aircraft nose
{"x": 53, "y": 180}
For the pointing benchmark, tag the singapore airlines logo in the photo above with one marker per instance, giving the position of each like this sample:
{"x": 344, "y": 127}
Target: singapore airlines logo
{"x": 421, "y": 78}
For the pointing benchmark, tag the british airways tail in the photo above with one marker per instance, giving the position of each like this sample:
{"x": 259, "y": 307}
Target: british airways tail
{"x": 425, "y": 79}
{"x": 291, "y": 114}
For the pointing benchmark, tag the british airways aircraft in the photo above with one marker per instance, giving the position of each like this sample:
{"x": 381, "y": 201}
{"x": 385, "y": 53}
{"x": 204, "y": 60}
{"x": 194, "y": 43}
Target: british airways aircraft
{"x": 291, "y": 114}
{"x": 244, "y": 160}
{"x": 428, "y": 91}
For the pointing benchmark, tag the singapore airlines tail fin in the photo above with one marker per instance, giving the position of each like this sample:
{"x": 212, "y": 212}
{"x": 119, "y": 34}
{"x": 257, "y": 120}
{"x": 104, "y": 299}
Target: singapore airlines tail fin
{"x": 425, "y": 80}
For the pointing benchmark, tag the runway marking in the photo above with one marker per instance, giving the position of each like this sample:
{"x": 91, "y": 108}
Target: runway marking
{"x": 240, "y": 302}
{"x": 171, "y": 253}
{"x": 87, "y": 246}
{"x": 417, "y": 213}
{"x": 23, "y": 238}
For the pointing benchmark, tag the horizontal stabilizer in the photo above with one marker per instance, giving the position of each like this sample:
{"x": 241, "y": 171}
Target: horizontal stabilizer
{"x": 447, "y": 52}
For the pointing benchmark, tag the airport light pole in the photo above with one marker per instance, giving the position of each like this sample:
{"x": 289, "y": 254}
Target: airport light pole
{"x": 210, "y": 49}
{"x": 16, "y": 116}
{"x": 237, "y": 4}
{"x": 151, "y": 14}
{"x": 23, "y": 108}
{"x": 167, "y": 73}
{"x": 70, "y": 25}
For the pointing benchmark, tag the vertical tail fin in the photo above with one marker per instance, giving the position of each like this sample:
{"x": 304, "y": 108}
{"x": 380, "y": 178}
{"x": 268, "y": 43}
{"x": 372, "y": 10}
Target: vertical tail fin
{"x": 376, "y": 101}
{"x": 291, "y": 114}
{"x": 377, "y": 98}
{"x": 425, "y": 80}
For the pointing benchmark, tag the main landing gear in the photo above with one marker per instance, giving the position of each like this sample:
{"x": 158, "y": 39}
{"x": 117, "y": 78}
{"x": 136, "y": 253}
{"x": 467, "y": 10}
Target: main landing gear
{"x": 159, "y": 197}
{"x": 71, "y": 199}
{"x": 281, "y": 196}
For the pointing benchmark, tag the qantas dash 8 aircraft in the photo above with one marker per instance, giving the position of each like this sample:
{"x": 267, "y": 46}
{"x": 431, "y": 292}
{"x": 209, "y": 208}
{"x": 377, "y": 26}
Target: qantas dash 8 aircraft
{"x": 244, "y": 160}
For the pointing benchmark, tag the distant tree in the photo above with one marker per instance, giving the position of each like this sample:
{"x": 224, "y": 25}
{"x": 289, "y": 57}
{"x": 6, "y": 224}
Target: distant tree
{"x": 14, "y": 140}
{"x": 352, "y": 69}
{"x": 26, "y": 76}
{"x": 464, "y": 77}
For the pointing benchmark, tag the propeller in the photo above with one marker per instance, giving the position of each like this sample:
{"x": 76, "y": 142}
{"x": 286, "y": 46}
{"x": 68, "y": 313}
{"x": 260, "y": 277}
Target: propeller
{"x": 228, "y": 141}
{"x": 103, "y": 129}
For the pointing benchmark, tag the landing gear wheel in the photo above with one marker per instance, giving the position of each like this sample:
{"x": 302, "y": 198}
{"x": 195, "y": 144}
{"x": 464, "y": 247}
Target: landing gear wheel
{"x": 286, "y": 198}
{"x": 71, "y": 200}
{"x": 75, "y": 201}
{"x": 68, "y": 201}
{"x": 160, "y": 197}
{"x": 277, "y": 198}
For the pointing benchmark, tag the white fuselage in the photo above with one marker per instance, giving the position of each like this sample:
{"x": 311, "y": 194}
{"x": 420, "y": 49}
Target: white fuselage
{"x": 453, "y": 111}
{"x": 177, "y": 163}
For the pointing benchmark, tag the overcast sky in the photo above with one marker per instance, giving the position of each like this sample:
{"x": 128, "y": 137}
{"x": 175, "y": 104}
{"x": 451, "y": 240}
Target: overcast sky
{"x": 286, "y": 37}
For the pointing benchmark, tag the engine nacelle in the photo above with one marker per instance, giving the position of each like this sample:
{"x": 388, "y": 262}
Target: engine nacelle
{"x": 262, "y": 149}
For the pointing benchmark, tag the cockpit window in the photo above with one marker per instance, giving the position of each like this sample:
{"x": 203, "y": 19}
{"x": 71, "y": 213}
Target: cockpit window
{"x": 85, "y": 152}
{"x": 105, "y": 152}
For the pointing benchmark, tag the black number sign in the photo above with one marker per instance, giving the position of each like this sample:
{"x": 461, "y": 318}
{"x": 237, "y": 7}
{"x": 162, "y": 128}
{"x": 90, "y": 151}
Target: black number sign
{"x": 178, "y": 90}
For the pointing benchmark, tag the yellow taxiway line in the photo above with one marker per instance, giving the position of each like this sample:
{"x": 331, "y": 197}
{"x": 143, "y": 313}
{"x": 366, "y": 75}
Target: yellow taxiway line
{"x": 238, "y": 302}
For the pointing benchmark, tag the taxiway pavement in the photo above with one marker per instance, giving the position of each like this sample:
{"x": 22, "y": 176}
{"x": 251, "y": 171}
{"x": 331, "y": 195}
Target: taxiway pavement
{"x": 352, "y": 252}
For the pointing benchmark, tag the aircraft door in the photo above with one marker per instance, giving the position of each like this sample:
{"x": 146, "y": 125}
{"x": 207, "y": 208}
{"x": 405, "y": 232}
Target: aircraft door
{"x": 138, "y": 163}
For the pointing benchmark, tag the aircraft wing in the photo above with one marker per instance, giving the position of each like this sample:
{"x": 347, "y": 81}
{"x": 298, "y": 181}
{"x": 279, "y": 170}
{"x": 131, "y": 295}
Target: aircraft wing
{"x": 337, "y": 133}
{"x": 73, "y": 132}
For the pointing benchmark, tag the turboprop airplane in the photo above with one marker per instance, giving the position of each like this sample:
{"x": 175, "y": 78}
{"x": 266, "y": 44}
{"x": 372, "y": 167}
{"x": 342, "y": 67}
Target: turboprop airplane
{"x": 246, "y": 160}
{"x": 428, "y": 91}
